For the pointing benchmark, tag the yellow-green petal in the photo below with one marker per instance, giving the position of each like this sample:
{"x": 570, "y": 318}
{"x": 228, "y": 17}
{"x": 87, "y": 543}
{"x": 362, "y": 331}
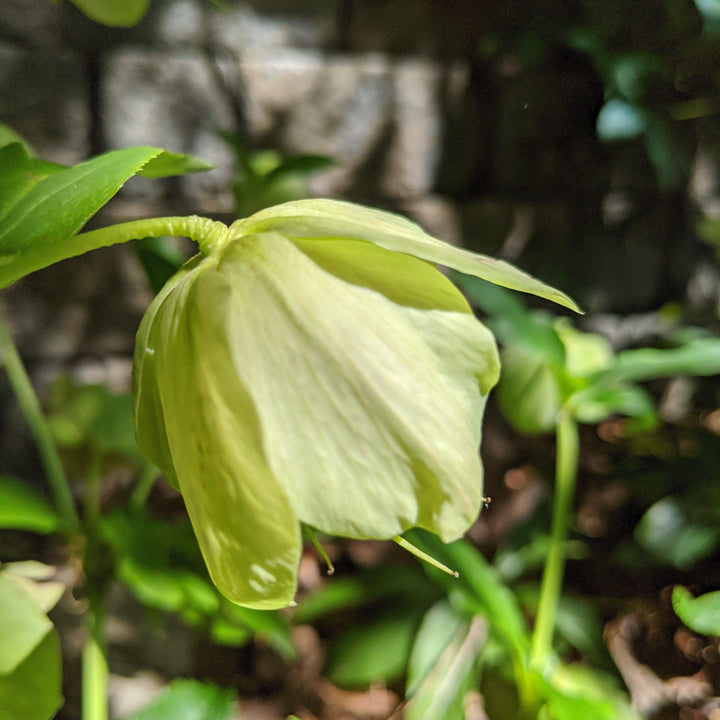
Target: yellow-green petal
{"x": 337, "y": 219}
{"x": 247, "y": 531}
{"x": 369, "y": 410}
{"x": 147, "y": 409}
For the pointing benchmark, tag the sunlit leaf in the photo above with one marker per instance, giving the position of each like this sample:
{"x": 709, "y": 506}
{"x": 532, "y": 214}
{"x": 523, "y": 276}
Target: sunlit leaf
{"x": 117, "y": 13}
{"x": 32, "y": 690}
{"x": 8, "y": 136}
{"x": 480, "y": 585}
{"x": 30, "y": 664}
{"x": 23, "y": 508}
{"x": 701, "y": 614}
{"x": 190, "y": 700}
{"x": 19, "y": 173}
{"x": 441, "y": 668}
{"x": 700, "y": 356}
{"x": 575, "y": 691}
{"x": 41, "y": 227}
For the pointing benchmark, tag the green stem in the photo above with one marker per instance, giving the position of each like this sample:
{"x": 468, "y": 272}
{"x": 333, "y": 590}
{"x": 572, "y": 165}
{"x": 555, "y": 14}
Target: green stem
{"x": 145, "y": 483}
{"x": 565, "y": 474}
{"x": 30, "y": 406}
{"x": 208, "y": 234}
{"x": 94, "y": 678}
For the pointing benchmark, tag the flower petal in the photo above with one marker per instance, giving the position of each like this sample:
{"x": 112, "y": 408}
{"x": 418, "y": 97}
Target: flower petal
{"x": 147, "y": 409}
{"x": 337, "y": 219}
{"x": 247, "y": 531}
{"x": 370, "y": 410}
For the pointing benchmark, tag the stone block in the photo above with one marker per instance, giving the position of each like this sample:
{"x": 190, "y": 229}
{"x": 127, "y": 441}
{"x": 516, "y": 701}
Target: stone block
{"x": 239, "y": 26}
{"x": 378, "y": 119}
{"x": 35, "y": 23}
{"x": 170, "y": 100}
{"x": 44, "y": 97}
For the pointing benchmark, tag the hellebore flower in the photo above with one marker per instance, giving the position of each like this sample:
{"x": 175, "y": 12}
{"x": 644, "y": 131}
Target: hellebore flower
{"x": 312, "y": 367}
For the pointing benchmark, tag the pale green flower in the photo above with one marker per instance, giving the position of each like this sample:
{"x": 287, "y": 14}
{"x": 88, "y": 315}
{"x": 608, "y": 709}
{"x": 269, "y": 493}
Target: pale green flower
{"x": 313, "y": 368}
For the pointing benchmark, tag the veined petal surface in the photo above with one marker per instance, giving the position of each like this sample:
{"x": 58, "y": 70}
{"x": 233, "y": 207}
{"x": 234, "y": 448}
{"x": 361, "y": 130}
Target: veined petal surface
{"x": 248, "y": 532}
{"x": 369, "y": 407}
{"x": 337, "y": 219}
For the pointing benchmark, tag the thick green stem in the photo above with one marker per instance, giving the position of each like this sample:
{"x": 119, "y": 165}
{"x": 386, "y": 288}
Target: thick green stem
{"x": 208, "y": 234}
{"x": 94, "y": 679}
{"x": 565, "y": 474}
{"x": 30, "y": 406}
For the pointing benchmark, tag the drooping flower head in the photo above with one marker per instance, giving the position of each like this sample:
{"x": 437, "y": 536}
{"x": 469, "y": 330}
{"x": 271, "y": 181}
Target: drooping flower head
{"x": 314, "y": 367}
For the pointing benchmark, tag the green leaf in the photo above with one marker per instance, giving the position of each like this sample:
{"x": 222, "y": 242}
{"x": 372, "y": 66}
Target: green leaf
{"x": 268, "y": 625}
{"x": 374, "y": 651}
{"x": 82, "y": 415}
{"x": 529, "y": 392}
{"x": 299, "y": 165}
{"x": 167, "y": 164}
{"x": 22, "y": 508}
{"x": 701, "y": 614}
{"x": 533, "y": 379}
{"x": 39, "y": 229}
{"x": 376, "y": 585}
{"x": 22, "y": 624}
{"x": 116, "y": 13}
{"x": 160, "y": 563}
{"x": 479, "y": 584}
{"x": 8, "y": 136}
{"x": 190, "y": 700}
{"x": 30, "y": 664}
{"x": 35, "y": 579}
{"x": 709, "y": 230}
{"x": 697, "y": 357}
{"x": 160, "y": 260}
{"x": 670, "y": 531}
{"x": 585, "y": 353}
{"x": 335, "y": 219}
{"x": 32, "y": 691}
{"x": 442, "y": 665}
{"x": 19, "y": 173}
{"x": 600, "y": 400}
{"x": 576, "y": 691}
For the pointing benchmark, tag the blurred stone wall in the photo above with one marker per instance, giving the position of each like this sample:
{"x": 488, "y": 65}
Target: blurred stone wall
{"x": 418, "y": 111}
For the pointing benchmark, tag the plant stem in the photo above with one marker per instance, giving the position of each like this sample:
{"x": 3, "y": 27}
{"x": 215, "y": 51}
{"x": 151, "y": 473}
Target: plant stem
{"x": 565, "y": 474}
{"x": 94, "y": 677}
{"x": 208, "y": 234}
{"x": 30, "y": 406}
{"x": 145, "y": 483}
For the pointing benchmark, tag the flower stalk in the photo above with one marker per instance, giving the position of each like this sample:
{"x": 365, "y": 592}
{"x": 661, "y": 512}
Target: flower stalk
{"x": 30, "y": 407}
{"x": 565, "y": 475}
